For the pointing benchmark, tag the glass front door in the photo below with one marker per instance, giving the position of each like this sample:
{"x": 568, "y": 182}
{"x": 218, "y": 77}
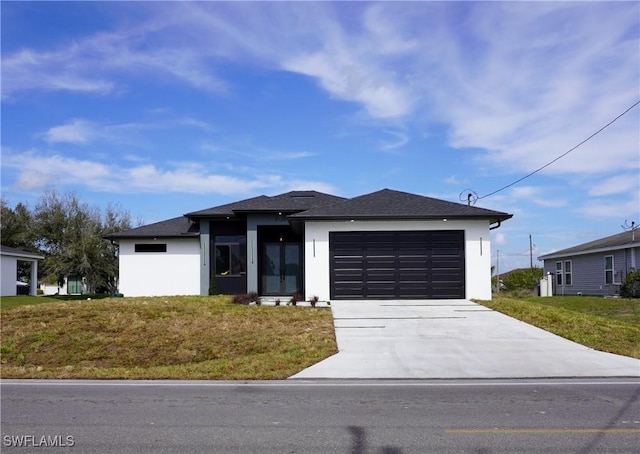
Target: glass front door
{"x": 281, "y": 268}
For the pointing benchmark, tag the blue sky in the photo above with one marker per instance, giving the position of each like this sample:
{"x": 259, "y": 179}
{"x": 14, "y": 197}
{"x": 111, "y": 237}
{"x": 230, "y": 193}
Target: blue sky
{"x": 171, "y": 107}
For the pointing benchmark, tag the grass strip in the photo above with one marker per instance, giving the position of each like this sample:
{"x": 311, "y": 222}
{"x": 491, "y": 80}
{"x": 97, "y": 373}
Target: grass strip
{"x": 606, "y": 325}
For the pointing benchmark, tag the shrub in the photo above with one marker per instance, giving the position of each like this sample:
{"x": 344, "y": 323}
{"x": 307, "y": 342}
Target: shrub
{"x": 314, "y": 300}
{"x": 525, "y": 279}
{"x": 631, "y": 285}
{"x": 295, "y": 298}
{"x": 213, "y": 286}
{"x": 245, "y": 298}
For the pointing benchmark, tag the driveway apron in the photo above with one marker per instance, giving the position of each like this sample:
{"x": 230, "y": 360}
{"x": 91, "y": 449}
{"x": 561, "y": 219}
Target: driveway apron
{"x": 453, "y": 339}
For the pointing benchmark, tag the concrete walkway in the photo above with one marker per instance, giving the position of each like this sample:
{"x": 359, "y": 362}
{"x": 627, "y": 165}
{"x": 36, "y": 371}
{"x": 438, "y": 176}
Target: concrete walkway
{"x": 453, "y": 339}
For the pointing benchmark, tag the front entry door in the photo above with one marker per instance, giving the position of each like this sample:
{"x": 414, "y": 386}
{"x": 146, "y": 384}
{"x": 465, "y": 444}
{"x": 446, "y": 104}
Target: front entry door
{"x": 281, "y": 268}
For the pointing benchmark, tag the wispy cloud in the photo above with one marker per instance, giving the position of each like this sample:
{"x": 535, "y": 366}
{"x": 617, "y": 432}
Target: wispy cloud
{"x": 49, "y": 71}
{"x": 617, "y": 209}
{"x": 500, "y": 239}
{"x": 532, "y": 81}
{"x": 453, "y": 180}
{"x": 75, "y": 131}
{"x": 399, "y": 139}
{"x": 80, "y": 131}
{"x": 539, "y": 196}
{"x": 523, "y": 81}
{"x": 183, "y": 177}
{"x": 91, "y": 64}
{"x": 620, "y": 184}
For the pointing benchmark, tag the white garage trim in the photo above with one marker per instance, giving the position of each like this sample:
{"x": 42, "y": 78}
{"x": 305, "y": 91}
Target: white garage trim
{"x": 477, "y": 250}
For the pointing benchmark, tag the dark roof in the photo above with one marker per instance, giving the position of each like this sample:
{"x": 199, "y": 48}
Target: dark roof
{"x": 6, "y": 250}
{"x": 171, "y": 228}
{"x": 310, "y": 205}
{"x": 290, "y": 202}
{"x": 610, "y": 243}
{"x": 390, "y": 204}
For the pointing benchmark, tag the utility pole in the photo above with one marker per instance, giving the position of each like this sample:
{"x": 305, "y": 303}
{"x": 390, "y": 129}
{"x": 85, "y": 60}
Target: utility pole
{"x": 530, "y": 251}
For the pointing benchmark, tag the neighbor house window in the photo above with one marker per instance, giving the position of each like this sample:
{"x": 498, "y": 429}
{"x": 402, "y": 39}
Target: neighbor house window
{"x": 231, "y": 255}
{"x": 608, "y": 269}
{"x": 153, "y": 247}
{"x": 558, "y": 273}
{"x": 568, "y": 279}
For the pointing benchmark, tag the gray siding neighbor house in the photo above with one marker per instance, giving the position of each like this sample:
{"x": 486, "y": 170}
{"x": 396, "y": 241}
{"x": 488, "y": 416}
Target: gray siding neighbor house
{"x": 595, "y": 268}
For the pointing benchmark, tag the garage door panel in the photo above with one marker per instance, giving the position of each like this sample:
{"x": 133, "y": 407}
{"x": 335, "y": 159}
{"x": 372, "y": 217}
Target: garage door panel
{"x": 445, "y": 265}
{"x": 382, "y": 264}
{"x": 415, "y": 264}
{"x": 349, "y": 265}
{"x": 417, "y": 260}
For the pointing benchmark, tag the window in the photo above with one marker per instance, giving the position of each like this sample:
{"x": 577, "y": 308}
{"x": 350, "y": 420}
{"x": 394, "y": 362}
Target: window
{"x": 558, "y": 273}
{"x": 568, "y": 279}
{"x": 608, "y": 269}
{"x": 231, "y": 255}
{"x": 154, "y": 247}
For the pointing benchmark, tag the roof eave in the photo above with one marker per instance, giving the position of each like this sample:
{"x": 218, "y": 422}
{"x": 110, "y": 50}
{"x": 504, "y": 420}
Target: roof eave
{"x": 563, "y": 254}
{"x": 24, "y": 256}
{"x": 441, "y": 217}
{"x": 134, "y": 237}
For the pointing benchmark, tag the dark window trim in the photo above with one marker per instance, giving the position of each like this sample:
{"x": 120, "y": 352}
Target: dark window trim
{"x": 559, "y": 276}
{"x": 568, "y": 272}
{"x": 151, "y": 247}
{"x": 609, "y": 270}
{"x": 235, "y": 267}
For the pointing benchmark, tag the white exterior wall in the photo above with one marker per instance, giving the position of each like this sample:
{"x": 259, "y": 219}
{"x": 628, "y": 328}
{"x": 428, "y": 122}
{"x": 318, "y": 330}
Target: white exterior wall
{"x": 175, "y": 272}
{"x": 477, "y": 251}
{"x": 9, "y": 275}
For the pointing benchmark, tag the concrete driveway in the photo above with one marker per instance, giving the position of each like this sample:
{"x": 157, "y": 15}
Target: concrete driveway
{"x": 453, "y": 339}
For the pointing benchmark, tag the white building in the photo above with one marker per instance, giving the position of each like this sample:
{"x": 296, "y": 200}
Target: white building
{"x": 384, "y": 245}
{"x": 9, "y": 264}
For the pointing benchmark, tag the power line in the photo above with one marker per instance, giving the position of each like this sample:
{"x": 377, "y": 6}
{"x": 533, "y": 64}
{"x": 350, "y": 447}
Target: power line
{"x": 556, "y": 159}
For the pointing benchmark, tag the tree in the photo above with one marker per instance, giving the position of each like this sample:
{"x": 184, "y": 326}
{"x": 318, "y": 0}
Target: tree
{"x": 115, "y": 220}
{"x": 15, "y": 225}
{"x": 70, "y": 235}
{"x": 16, "y": 232}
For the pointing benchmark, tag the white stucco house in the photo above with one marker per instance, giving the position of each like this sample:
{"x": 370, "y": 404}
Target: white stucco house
{"x": 70, "y": 285}
{"x": 9, "y": 265}
{"x": 384, "y": 245}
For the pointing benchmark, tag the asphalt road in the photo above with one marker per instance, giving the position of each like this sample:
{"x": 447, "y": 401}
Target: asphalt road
{"x": 354, "y": 417}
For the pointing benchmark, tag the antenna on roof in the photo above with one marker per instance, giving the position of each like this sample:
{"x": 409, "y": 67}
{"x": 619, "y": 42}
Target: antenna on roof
{"x": 471, "y": 196}
{"x": 626, "y": 227}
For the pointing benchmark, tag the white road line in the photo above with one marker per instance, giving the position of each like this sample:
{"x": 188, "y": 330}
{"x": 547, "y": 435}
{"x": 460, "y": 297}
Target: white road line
{"x": 305, "y": 383}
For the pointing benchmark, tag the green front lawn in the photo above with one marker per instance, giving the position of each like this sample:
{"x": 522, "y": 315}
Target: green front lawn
{"x": 189, "y": 337}
{"x": 606, "y": 324}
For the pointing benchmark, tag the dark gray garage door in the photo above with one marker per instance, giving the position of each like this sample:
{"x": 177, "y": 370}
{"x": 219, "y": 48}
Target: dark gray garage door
{"x": 397, "y": 265}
